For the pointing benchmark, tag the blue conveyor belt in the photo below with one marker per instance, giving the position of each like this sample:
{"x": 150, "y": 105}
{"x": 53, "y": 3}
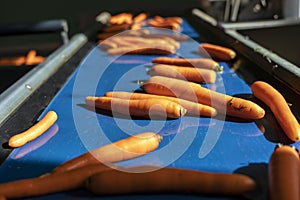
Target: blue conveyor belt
{"x": 209, "y": 144}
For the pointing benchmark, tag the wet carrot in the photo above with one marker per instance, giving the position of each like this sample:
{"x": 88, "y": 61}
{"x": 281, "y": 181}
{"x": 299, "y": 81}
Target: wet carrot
{"x": 283, "y": 173}
{"x": 135, "y": 26}
{"x": 189, "y": 62}
{"x": 176, "y": 37}
{"x": 218, "y": 52}
{"x": 166, "y": 24}
{"x": 141, "y": 41}
{"x": 125, "y": 149}
{"x": 107, "y": 44}
{"x": 165, "y": 38}
{"x": 35, "y": 131}
{"x": 14, "y": 61}
{"x": 193, "y": 109}
{"x": 144, "y": 50}
{"x": 280, "y": 108}
{"x": 174, "y": 19}
{"x": 225, "y": 104}
{"x": 139, "y": 108}
{"x": 197, "y": 75}
{"x": 51, "y": 183}
{"x": 116, "y": 27}
{"x": 160, "y": 19}
{"x": 169, "y": 180}
{"x": 140, "y": 17}
{"x": 121, "y": 18}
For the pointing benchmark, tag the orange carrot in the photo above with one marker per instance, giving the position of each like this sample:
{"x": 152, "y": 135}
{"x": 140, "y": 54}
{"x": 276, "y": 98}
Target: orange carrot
{"x": 152, "y": 49}
{"x": 176, "y": 37}
{"x": 14, "y": 61}
{"x": 139, "y": 108}
{"x": 35, "y": 131}
{"x": 169, "y": 180}
{"x": 140, "y": 17}
{"x": 218, "y": 52}
{"x": 160, "y": 19}
{"x": 283, "y": 173}
{"x": 165, "y": 38}
{"x": 189, "y": 62}
{"x": 282, "y": 112}
{"x": 107, "y": 44}
{"x": 165, "y": 24}
{"x": 149, "y": 41}
{"x": 135, "y": 26}
{"x": 125, "y": 149}
{"x": 122, "y": 18}
{"x": 194, "y": 109}
{"x": 50, "y": 183}
{"x": 116, "y": 27}
{"x": 197, "y": 75}
{"x": 225, "y": 104}
{"x": 174, "y": 19}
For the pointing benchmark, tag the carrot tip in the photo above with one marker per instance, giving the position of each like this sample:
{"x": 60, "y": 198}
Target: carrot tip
{"x": 219, "y": 68}
{"x": 183, "y": 111}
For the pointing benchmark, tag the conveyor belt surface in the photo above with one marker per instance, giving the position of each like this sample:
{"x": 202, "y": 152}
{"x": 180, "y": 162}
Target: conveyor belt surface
{"x": 210, "y": 144}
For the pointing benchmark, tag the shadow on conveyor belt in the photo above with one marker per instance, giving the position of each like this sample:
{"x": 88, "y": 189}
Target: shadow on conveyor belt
{"x": 259, "y": 173}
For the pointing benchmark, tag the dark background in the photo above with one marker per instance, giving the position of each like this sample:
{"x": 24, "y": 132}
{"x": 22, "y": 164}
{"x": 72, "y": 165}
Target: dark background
{"x": 80, "y": 14}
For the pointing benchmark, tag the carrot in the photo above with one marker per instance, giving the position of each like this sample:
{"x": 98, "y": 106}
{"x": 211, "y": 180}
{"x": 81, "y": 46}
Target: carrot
{"x": 50, "y": 183}
{"x": 140, "y": 17}
{"x": 169, "y": 180}
{"x": 120, "y": 42}
{"x": 197, "y": 75}
{"x": 35, "y": 131}
{"x": 14, "y": 61}
{"x": 160, "y": 19}
{"x": 283, "y": 173}
{"x": 216, "y": 51}
{"x": 166, "y": 24}
{"x": 149, "y": 41}
{"x": 125, "y": 149}
{"x": 174, "y": 19}
{"x": 194, "y": 109}
{"x": 152, "y": 49}
{"x": 225, "y": 104}
{"x": 122, "y": 18}
{"x": 176, "y": 37}
{"x": 280, "y": 108}
{"x": 37, "y": 143}
{"x": 135, "y": 26}
{"x": 116, "y": 27}
{"x": 165, "y": 38}
{"x": 189, "y": 62}
{"x": 139, "y": 108}
{"x": 107, "y": 44}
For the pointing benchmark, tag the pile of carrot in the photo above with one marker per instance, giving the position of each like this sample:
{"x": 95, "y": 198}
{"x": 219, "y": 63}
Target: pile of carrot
{"x": 126, "y": 43}
{"x": 172, "y": 23}
{"x": 30, "y": 59}
{"x": 121, "y": 22}
{"x": 224, "y": 104}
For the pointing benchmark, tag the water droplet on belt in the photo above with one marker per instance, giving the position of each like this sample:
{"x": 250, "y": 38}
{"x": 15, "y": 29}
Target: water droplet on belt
{"x": 28, "y": 86}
